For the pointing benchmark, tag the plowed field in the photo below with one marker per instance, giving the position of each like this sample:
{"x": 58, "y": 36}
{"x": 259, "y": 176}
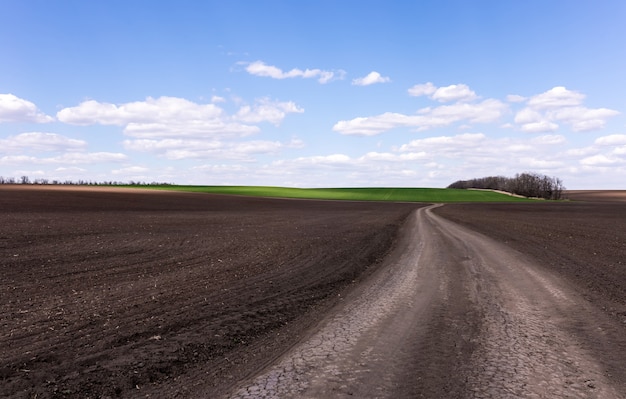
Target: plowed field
{"x": 115, "y": 292}
{"x": 123, "y": 293}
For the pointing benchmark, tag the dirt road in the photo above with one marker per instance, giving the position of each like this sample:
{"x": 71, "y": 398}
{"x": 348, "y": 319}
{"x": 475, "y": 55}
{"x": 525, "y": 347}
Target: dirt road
{"x": 454, "y": 314}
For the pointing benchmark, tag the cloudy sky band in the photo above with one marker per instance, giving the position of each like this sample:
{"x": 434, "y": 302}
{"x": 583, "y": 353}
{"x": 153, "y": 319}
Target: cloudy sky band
{"x": 228, "y": 94}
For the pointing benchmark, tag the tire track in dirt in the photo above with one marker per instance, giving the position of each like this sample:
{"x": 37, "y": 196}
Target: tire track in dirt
{"x": 453, "y": 314}
{"x": 333, "y": 361}
{"x": 378, "y": 343}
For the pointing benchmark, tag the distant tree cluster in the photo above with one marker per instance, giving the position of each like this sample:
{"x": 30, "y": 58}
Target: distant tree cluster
{"x": 527, "y": 184}
{"x": 27, "y": 180}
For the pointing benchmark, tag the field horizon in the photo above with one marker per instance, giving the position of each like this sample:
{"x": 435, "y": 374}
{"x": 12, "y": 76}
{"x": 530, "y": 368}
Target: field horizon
{"x": 390, "y": 194}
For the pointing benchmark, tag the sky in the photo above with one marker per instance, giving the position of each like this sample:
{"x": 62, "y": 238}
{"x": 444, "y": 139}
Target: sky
{"x": 313, "y": 94}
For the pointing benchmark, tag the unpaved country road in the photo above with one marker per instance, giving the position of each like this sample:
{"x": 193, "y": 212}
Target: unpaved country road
{"x": 453, "y": 314}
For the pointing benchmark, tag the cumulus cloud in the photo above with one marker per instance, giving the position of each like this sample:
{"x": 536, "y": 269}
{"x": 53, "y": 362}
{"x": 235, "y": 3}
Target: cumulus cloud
{"x": 130, "y": 170}
{"x": 463, "y": 109}
{"x": 266, "y": 110}
{"x": 70, "y": 158}
{"x": 483, "y": 155}
{"x": 436, "y": 160}
{"x": 544, "y": 112}
{"x": 486, "y": 111}
{"x": 539, "y": 127}
{"x": 582, "y": 119}
{"x": 259, "y": 68}
{"x": 458, "y": 92}
{"x": 152, "y": 110}
{"x": 394, "y": 157}
{"x": 424, "y": 89}
{"x": 534, "y": 163}
{"x": 445, "y": 143}
{"x": 549, "y": 139}
{"x": 176, "y": 149}
{"x": 528, "y": 115}
{"x": 371, "y": 78}
{"x": 373, "y": 125}
{"x": 602, "y": 160}
{"x": 40, "y": 142}
{"x": 613, "y": 139}
{"x": 15, "y": 109}
{"x": 556, "y": 97}
{"x": 174, "y": 117}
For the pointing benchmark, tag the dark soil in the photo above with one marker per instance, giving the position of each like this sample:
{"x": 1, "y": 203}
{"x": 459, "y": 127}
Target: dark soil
{"x": 119, "y": 293}
{"x": 136, "y": 293}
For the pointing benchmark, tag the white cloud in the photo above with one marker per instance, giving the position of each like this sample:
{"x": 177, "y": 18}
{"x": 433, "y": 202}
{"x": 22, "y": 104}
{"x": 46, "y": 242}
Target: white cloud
{"x": 445, "y": 144}
{"x": 371, "y": 158}
{"x": 425, "y": 89}
{"x": 619, "y": 150}
{"x": 550, "y": 139}
{"x": 392, "y": 157}
{"x": 613, "y": 139}
{"x": 437, "y": 160}
{"x": 176, "y": 149}
{"x": 534, "y": 163}
{"x": 458, "y": 92}
{"x": 601, "y": 160}
{"x": 40, "y": 142}
{"x": 89, "y": 157}
{"x": 172, "y": 117}
{"x": 429, "y": 162}
{"x": 580, "y": 152}
{"x": 152, "y": 110}
{"x": 532, "y": 121}
{"x": 582, "y": 119}
{"x": 539, "y": 127}
{"x": 71, "y": 169}
{"x": 259, "y": 68}
{"x": 556, "y": 97}
{"x": 130, "y": 170}
{"x": 265, "y": 110}
{"x": 70, "y": 158}
{"x": 371, "y": 78}
{"x": 15, "y": 109}
{"x": 220, "y": 168}
{"x": 373, "y": 125}
{"x": 528, "y": 115}
{"x": 333, "y": 159}
{"x": 486, "y": 111}
{"x": 545, "y": 111}
{"x": 191, "y": 129}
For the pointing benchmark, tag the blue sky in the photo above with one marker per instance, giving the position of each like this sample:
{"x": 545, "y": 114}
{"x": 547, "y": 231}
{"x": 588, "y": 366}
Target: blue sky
{"x": 316, "y": 94}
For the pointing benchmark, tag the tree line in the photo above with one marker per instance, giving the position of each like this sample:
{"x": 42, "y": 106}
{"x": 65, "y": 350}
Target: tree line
{"x": 27, "y": 180}
{"x": 527, "y": 184}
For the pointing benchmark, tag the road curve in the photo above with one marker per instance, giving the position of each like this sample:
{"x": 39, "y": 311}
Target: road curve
{"x": 453, "y": 314}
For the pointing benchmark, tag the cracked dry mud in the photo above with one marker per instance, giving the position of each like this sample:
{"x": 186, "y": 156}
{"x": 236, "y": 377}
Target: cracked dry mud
{"x": 454, "y": 314}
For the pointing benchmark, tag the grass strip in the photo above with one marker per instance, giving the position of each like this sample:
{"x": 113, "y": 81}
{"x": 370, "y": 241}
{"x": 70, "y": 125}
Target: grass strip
{"x": 430, "y": 195}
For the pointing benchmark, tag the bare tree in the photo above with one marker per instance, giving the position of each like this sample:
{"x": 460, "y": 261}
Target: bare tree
{"x": 527, "y": 184}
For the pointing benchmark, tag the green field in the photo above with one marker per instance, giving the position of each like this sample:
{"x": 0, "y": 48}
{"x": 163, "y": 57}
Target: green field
{"x": 431, "y": 195}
